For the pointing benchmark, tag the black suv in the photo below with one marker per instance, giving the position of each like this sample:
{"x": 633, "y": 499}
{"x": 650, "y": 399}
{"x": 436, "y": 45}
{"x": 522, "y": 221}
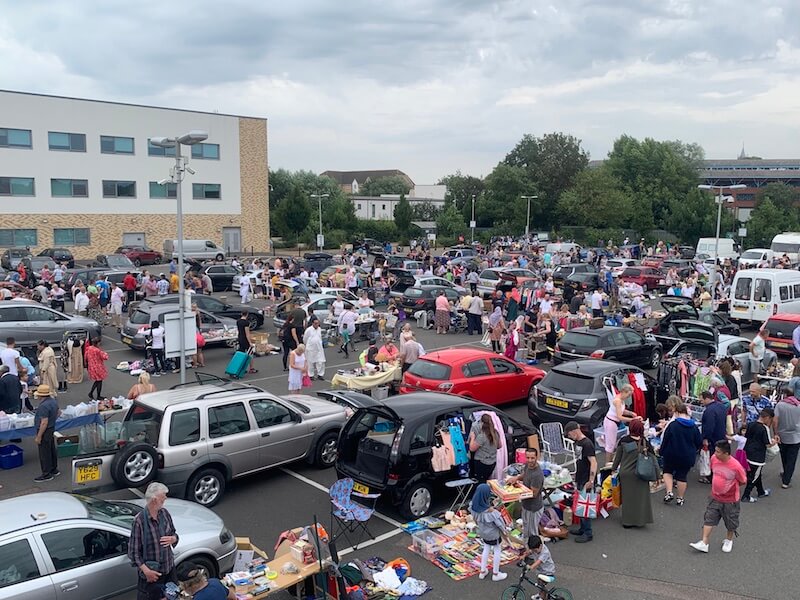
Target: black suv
{"x": 561, "y": 272}
{"x": 577, "y": 391}
{"x": 424, "y": 298}
{"x": 255, "y": 316}
{"x": 610, "y": 343}
{"x": 62, "y": 255}
{"x": 387, "y": 449}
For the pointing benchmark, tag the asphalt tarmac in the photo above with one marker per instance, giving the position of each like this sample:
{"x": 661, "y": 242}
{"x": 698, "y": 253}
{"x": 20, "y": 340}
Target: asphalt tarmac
{"x": 630, "y": 564}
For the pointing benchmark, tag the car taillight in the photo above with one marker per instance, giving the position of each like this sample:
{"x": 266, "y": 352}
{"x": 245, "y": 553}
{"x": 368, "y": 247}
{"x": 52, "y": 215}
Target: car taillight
{"x": 396, "y": 444}
{"x": 420, "y": 302}
{"x": 393, "y": 478}
{"x": 444, "y": 387}
{"x": 597, "y": 354}
{"x": 774, "y": 309}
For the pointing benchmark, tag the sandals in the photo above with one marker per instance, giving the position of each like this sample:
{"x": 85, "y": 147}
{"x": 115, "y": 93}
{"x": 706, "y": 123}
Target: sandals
{"x": 668, "y": 497}
{"x": 679, "y": 501}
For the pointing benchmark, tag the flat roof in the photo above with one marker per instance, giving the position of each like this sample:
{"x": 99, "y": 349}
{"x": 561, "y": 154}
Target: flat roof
{"x": 186, "y": 110}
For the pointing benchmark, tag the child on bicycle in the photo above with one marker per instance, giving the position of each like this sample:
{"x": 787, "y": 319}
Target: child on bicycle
{"x": 538, "y": 559}
{"x": 491, "y": 527}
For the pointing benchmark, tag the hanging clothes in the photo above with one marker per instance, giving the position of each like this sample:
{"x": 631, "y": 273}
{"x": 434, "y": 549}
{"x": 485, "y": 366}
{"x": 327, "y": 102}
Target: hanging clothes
{"x": 447, "y": 444}
{"x": 502, "y": 451}
{"x": 639, "y": 404}
{"x": 459, "y": 447}
{"x": 75, "y": 370}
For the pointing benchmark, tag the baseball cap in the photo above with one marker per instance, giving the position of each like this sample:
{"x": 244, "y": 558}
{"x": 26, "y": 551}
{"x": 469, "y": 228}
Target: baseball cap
{"x": 571, "y": 426}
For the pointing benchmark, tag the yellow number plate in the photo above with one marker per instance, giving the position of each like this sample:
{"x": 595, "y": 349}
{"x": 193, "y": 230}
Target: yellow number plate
{"x": 126, "y": 339}
{"x": 87, "y": 473}
{"x": 556, "y": 402}
{"x": 780, "y": 344}
{"x": 740, "y": 308}
{"x": 361, "y": 489}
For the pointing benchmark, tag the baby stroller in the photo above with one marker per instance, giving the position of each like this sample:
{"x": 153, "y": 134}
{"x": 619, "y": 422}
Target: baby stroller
{"x": 458, "y": 322}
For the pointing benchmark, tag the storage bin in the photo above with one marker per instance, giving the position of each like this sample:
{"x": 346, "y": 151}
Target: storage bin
{"x": 600, "y": 436}
{"x": 67, "y": 449}
{"x": 11, "y": 457}
{"x": 381, "y": 392}
{"x": 427, "y": 543}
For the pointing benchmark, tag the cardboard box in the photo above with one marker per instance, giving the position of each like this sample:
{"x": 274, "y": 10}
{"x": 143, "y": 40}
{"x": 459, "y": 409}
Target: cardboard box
{"x": 245, "y": 552}
{"x": 302, "y": 552}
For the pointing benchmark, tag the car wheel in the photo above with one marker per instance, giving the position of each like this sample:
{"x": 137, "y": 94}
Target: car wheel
{"x": 252, "y": 322}
{"x": 137, "y": 263}
{"x": 219, "y": 257}
{"x": 206, "y": 487}
{"x": 208, "y": 564}
{"x": 325, "y": 452}
{"x": 655, "y": 358}
{"x": 417, "y": 500}
{"x": 134, "y": 465}
{"x": 532, "y": 395}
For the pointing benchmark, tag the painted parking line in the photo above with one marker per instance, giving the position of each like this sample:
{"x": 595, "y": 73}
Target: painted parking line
{"x": 376, "y": 540}
{"x": 136, "y": 492}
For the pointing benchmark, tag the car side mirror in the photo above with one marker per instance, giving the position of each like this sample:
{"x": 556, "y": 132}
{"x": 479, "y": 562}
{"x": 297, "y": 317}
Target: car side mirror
{"x": 296, "y": 417}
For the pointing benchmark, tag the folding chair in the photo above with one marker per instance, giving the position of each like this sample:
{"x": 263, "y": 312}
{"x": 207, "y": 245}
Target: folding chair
{"x": 556, "y": 448}
{"x": 347, "y": 515}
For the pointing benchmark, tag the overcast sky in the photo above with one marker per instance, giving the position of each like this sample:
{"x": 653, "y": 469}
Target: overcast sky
{"x": 430, "y": 86}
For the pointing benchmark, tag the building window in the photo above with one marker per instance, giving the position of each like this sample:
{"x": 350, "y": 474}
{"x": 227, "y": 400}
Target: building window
{"x": 168, "y": 190}
{"x": 69, "y": 188}
{"x": 383, "y": 207}
{"x": 17, "y": 186}
{"x": 71, "y": 142}
{"x": 119, "y": 189}
{"x": 206, "y": 191}
{"x": 159, "y": 150}
{"x": 373, "y": 211}
{"x": 18, "y": 237}
{"x": 71, "y": 237}
{"x": 116, "y": 145}
{"x": 206, "y": 151}
{"x": 15, "y": 138}
{"x": 359, "y": 206}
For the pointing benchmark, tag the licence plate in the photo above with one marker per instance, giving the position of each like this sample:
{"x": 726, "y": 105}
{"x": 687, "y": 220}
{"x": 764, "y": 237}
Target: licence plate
{"x": 550, "y": 401}
{"x": 780, "y": 344}
{"x": 126, "y": 339}
{"x": 361, "y": 489}
{"x": 87, "y": 473}
{"x": 740, "y": 308}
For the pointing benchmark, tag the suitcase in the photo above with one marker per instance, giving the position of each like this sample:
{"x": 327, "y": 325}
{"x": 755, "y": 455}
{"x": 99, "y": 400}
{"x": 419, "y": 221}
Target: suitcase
{"x": 237, "y": 366}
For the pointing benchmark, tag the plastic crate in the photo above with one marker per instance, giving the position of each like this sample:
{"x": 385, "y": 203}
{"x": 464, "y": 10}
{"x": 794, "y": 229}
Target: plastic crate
{"x": 67, "y": 449}
{"x": 427, "y": 543}
{"x": 11, "y": 457}
{"x": 600, "y": 436}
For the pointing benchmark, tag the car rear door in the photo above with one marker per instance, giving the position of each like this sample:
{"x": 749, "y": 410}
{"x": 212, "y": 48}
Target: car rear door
{"x": 284, "y": 435}
{"x": 233, "y": 436}
{"x": 639, "y": 350}
{"x": 26, "y": 570}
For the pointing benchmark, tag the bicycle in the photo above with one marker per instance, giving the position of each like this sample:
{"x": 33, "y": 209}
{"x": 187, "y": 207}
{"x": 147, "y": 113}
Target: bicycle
{"x": 518, "y": 592}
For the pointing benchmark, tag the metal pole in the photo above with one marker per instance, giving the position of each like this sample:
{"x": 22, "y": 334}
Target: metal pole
{"x": 716, "y": 245}
{"x": 181, "y": 290}
{"x": 528, "y": 218}
{"x": 472, "y": 222}
{"x": 319, "y": 199}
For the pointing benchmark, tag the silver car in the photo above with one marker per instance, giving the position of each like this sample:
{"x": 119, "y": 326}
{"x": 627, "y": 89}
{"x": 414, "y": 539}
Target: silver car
{"x": 141, "y": 318}
{"x": 28, "y": 321}
{"x": 55, "y": 545}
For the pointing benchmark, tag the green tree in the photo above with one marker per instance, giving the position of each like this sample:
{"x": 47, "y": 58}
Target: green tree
{"x": 394, "y": 184}
{"x": 450, "y": 222}
{"x": 424, "y": 211}
{"x": 782, "y": 195}
{"x": 294, "y": 211}
{"x": 766, "y": 221}
{"x": 403, "y": 215}
{"x": 502, "y": 202}
{"x": 695, "y": 216}
{"x": 460, "y": 189}
{"x": 596, "y": 200}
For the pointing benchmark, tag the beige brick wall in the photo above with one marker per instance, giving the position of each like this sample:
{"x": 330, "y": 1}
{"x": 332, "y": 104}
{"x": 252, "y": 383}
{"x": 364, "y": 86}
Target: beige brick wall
{"x": 107, "y": 229}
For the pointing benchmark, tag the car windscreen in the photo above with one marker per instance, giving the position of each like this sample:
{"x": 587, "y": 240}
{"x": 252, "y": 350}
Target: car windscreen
{"x": 567, "y": 383}
{"x": 752, "y": 254}
{"x": 117, "y": 513}
{"x": 428, "y": 369}
{"x": 413, "y": 293}
{"x": 118, "y": 261}
{"x": 631, "y": 272}
{"x": 580, "y": 341}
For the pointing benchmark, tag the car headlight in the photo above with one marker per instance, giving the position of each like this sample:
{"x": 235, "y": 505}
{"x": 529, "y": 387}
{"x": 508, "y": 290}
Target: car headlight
{"x": 588, "y": 403}
{"x": 225, "y": 536}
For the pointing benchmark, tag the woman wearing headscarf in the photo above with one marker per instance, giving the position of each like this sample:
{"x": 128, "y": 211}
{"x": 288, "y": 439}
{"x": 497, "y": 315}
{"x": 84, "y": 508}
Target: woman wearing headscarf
{"x": 496, "y": 327}
{"x": 636, "y": 508}
{"x": 513, "y": 341}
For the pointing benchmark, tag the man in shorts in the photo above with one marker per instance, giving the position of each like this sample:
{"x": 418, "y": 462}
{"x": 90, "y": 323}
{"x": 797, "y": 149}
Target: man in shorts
{"x": 727, "y": 476}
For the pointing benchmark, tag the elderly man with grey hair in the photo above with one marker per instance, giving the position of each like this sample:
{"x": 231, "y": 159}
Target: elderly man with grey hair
{"x": 153, "y": 537}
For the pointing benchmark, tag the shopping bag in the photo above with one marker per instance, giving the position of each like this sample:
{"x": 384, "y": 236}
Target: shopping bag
{"x": 306, "y": 381}
{"x": 616, "y": 491}
{"x": 646, "y": 466}
{"x": 704, "y": 463}
{"x": 585, "y": 505}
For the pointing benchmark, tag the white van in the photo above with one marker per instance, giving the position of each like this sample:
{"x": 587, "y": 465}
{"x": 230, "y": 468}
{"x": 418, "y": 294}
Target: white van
{"x": 757, "y": 294}
{"x": 787, "y": 243}
{"x": 562, "y": 248}
{"x": 727, "y": 248}
{"x": 196, "y": 249}
{"x": 755, "y": 256}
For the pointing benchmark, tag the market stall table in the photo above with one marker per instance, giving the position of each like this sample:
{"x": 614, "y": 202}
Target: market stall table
{"x": 352, "y": 381}
{"x": 61, "y": 424}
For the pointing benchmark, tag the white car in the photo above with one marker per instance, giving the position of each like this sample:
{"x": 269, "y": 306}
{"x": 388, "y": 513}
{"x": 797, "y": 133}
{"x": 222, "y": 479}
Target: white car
{"x": 318, "y": 304}
{"x": 440, "y": 281}
{"x": 618, "y": 265}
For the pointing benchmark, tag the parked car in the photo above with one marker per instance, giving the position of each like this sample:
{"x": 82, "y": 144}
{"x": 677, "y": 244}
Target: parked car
{"x": 687, "y": 251}
{"x": 348, "y": 399}
{"x": 318, "y": 304}
{"x": 422, "y": 280}
{"x": 84, "y": 274}
{"x": 11, "y": 258}
{"x": 61, "y": 255}
{"x": 146, "y": 312}
{"x": 781, "y": 328}
{"x": 424, "y": 298}
{"x": 472, "y": 373}
{"x": 17, "y": 290}
{"x": 654, "y": 260}
{"x": 576, "y": 391}
{"x": 28, "y": 321}
{"x": 681, "y": 308}
{"x": 585, "y": 282}
{"x": 684, "y": 267}
{"x": 141, "y": 255}
{"x": 620, "y": 344}
{"x": 400, "y": 280}
{"x": 459, "y": 251}
{"x": 387, "y": 449}
{"x": 255, "y": 316}
{"x": 118, "y": 262}
{"x": 649, "y": 278}
{"x": 34, "y": 265}
{"x": 755, "y": 256}
{"x": 196, "y": 438}
{"x": 561, "y": 272}
{"x": 221, "y": 276}
{"x": 53, "y": 543}
{"x": 317, "y": 261}
{"x": 618, "y": 265}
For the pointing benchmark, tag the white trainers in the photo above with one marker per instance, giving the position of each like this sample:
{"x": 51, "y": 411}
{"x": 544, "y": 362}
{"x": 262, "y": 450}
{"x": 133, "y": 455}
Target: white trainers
{"x": 483, "y": 574}
{"x": 700, "y": 546}
{"x": 499, "y": 576}
{"x": 727, "y": 545}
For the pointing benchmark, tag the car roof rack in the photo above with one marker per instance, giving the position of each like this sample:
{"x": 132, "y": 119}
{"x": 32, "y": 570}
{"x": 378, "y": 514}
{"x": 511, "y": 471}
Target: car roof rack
{"x": 211, "y": 379}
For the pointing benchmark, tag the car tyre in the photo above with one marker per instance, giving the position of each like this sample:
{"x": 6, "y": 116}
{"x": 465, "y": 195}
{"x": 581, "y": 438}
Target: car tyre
{"x": 325, "y": 451}
{"x": 252, "y": 322}
{"x": 134, "y": 465}
{"x": 655, "y": 358}
{"x": 417, "y": 500}
{"x": 206, "y": 563}
{"x": 206, "y": 487}
{"x": 219, "y": 257}
{"x": 137, "y": 263}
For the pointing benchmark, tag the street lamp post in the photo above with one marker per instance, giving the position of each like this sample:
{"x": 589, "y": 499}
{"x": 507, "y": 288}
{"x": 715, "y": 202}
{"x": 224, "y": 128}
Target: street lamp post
{"x": 472, "y": 221}
{"x": 319, "y": 198}
{"x": 738, "y": 186}
{"x": 177, "y": 174}
{"x": 528, "y": 217}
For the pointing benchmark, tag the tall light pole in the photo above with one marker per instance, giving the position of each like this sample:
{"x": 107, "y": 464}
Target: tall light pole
{"x": 177, "y": 174}
{"x": 472, "y": 221}
{"x": 528, "y": 218}
{"x": 738, "y": 186}
{"x": 319, "y": 197}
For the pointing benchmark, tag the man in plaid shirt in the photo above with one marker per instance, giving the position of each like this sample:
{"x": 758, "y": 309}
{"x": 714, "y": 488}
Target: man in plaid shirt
{"x": 150, "y": 547}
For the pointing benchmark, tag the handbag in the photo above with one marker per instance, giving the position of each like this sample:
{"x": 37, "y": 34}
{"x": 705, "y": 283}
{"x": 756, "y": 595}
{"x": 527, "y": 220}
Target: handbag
{"x": 646, "y": 465}
{"x": 306, "y": 381}
{"x": 772, "y": 451}
{"x": 585, "y": 505}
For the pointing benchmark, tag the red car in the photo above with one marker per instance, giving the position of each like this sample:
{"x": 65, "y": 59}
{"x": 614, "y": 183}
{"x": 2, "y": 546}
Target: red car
{"x": 648, "y": 277}
{"x": 654, "y": 261}
{"x": 781, "y": 327}
{"x": 140, "y": 255}
{"x": 472, "y": 373}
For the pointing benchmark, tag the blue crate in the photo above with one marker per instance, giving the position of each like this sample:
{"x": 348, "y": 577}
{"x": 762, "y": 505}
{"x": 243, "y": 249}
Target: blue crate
{"x": 11, "y": 457}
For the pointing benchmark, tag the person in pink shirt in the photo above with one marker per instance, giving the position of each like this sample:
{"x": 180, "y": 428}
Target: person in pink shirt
{"x": 441, "y": 318}
{"x": 727, "y": 475}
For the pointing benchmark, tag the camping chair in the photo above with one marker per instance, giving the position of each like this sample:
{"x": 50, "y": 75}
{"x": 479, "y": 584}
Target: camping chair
{"x": 347, "y": 515}
{"x": 556, "y": 448}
